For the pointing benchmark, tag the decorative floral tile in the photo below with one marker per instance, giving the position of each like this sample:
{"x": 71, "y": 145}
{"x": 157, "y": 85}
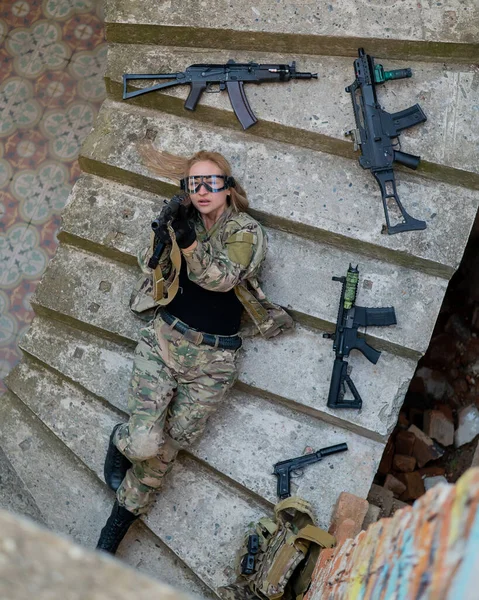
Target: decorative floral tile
{"x": 38, "y": 48}
{"x": 18, "y": 108}
{"x": 20, "y": 13}
{"x": 52, "y": 61}
{"x": 83, "y": 32}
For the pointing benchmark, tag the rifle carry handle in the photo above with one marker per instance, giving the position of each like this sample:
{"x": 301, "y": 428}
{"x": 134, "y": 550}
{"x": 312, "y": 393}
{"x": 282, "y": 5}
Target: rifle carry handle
{"x": 240, "y": 104}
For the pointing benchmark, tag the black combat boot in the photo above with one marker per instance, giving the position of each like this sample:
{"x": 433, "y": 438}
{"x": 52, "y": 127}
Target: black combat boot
{"x": 116, "y": 465}
{"x": 115, "y": 529}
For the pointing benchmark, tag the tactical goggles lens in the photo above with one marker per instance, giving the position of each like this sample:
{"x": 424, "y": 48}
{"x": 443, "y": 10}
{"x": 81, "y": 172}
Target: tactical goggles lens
{"x": 213, "y": 183}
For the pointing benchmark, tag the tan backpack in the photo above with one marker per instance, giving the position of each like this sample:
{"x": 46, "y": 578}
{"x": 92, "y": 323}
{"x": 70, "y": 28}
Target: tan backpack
{"x": 278, "y": 556}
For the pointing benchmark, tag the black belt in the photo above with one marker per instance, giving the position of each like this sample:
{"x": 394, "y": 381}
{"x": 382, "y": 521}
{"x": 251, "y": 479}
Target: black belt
{"x": 227, "y": 342}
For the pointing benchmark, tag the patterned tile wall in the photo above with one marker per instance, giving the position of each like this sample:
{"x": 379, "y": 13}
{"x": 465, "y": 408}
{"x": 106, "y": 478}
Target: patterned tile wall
{"x": 52, "y": 60}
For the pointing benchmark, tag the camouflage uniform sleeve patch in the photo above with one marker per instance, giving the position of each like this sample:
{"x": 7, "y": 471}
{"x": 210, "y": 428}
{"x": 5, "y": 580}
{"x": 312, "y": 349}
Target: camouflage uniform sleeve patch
{"x": 240, "y": 247}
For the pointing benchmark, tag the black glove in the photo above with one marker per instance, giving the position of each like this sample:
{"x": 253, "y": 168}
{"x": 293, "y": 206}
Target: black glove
{"x": 183, "y": 227}
{"x": 168, "y": 214}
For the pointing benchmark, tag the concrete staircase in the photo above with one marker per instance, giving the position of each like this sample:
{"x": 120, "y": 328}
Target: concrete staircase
{"x": 321, "y": 210}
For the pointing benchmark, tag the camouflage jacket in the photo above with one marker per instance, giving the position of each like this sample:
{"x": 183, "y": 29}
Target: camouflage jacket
{"x": 228, "y": 256}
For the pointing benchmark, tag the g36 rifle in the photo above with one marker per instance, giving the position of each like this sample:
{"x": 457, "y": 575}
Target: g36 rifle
{"x": 231, "y": 76}
{"x": 375, "y": 131}
{"x": 350, "y": 317}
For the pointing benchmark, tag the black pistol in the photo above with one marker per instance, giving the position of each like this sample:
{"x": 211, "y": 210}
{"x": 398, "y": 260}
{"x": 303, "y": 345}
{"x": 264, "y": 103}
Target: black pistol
{"x": 284, "y": 468}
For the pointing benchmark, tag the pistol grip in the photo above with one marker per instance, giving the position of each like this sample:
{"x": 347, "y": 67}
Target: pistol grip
{"x": 282, "y": 488}
{"x": 195, "y": 93}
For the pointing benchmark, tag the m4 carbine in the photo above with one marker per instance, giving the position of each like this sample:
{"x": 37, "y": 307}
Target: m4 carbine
{"x": 230, "y": 76}
{"x": 284, "y": 468}
{"x": 345, "y": 337}
{"x": 375, "y": 131}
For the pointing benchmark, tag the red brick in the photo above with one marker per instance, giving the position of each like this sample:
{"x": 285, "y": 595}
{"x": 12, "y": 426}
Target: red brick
{"x": 404, "y": 443}
{"x": 349, "y": 506}
{"x": 446, "y": 410}
{"x": 372, "y": 516}
{"x": 403, "y": 463}
{"x": 346, "y": 529}
{"x": 439, "y": 427}
{"x": 387, "y": 458}
{"x": 414, "y": 485}
{"x": 432, "y": 471}
{"x": 392, "y": 483}
{"x": 397, "y": 505}
{"x": 425, "y": 449}
{"x": 381, "y": 497}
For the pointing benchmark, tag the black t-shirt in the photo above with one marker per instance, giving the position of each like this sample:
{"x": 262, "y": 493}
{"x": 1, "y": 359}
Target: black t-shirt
{"x": 207, "y": 311}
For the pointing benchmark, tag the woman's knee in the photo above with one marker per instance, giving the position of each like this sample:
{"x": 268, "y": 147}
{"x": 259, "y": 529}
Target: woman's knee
{"x": 143, "y": 444}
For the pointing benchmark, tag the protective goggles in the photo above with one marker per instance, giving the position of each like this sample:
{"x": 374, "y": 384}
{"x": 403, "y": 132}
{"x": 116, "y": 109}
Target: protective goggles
{"x": 213, "y": 183}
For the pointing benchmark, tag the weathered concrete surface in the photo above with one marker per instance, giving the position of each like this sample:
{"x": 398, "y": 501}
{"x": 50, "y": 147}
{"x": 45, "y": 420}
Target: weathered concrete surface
{"x": 339, "y": 21}
{"x": 313, "y": 109}
{"x": 14, "y": 494}
{"x": 243, "y": 421}
{"x": 94, "y": 307}
{"x": 314, "y": 297}
{"x": 74, "y": 502}
{"x": 36, "y": 563}
{"x": 218, "y": 512}
{"x": 109, "y": 218}
{"x": 295, "y": 369}
{"x": 312, "y": 193}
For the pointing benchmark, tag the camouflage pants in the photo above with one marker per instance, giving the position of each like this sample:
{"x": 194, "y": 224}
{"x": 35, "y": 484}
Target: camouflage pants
{"x": 175, "y": 386}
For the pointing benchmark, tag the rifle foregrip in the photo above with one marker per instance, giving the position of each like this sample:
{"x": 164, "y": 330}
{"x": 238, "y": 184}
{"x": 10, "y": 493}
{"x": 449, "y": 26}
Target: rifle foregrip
{"x": 240, "y": 104}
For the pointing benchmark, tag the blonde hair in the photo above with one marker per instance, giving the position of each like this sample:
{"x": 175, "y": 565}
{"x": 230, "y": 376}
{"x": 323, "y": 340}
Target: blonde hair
{"x": 176, "y": 167}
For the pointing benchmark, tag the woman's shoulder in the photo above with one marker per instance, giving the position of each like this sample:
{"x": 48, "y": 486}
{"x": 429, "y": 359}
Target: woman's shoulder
{"x": 242, "y": 220}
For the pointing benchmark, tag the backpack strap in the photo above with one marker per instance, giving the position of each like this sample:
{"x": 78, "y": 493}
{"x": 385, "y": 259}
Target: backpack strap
{"x": 317, "y": 536}
{"x": 173, "y": 283}
{"x": 296, "y": 503}
{"x": 319, "y": 539}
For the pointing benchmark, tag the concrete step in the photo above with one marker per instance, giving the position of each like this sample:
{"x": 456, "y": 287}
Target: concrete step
{"x": 315, "y": 114}
{"x": 295, "y": 371}
{"x": 14, "y": 494}
{"x": 314, "y": 297}
{"x": 269, "y": 431}
{"x": 324, "y": 197}
{"x": 203, "y": 528}
{"x": 408, "y": 29}
{"x": 99, "y": 305}
{"x": 72, "y": 500}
